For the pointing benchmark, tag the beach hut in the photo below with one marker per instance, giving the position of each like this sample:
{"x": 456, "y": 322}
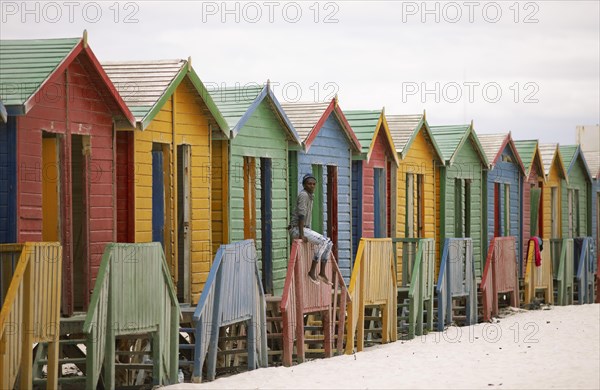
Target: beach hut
{"x": 163, "y": 165}
{"x": 532, "y": 221}
{"x": 576, "y": 195}
{"x": 415, "y": 189}
{"x": 461, "y": 189}
{"x": 504, "y": 189}
{"x": 373, "y": 172}
{"x": 328, "y": 144}
{"x": 59, "y": 142}
{"x": 252, "y": 181}
{"x": 556, "y": 176}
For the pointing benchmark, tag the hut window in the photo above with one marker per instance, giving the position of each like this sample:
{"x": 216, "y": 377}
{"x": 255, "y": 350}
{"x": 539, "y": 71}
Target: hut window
{"x": 249, "y": 198}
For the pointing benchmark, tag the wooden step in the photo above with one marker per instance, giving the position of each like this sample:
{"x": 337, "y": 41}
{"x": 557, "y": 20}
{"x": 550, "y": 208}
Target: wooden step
{"x": 61, "y": 380}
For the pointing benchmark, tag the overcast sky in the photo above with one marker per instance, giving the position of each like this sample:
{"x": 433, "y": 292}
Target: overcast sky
{"x": 532, "y": 68}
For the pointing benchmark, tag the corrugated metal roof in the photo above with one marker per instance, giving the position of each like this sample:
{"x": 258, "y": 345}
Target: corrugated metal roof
{"x": 570, "y": 153}
{"x": 364, "y": 123}
{"x": 593, "y": 160}
{"x": 26, "y": 63}
{"x": 547, "y": 151}
{"x": 304, "y": 116}
{"x": 491, "y": 144}
{"x": 526, "y": 149}
{"x": 235, "y": 101}
{"x": 142, "y": 83}
{"x": 449, "y": 138}
{"x": 402, "y": 128}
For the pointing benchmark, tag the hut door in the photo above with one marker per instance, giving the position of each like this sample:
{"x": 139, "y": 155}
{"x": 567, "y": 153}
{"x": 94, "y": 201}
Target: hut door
{"x": 51, "y": 177}
{"x": 576, "y": 216}
{"x": 249, "y": 198}
{"x": 497, "y": 211}
{"x": 79, "y": 211}
{"x": 125, "y": 181}
{"x": 266, "y": 215}
{"x": 420, "y": 207}
{"x": 158, "y": 195}
{"x": 535, "y": 194}
{"x": 506, "y": 204}
{"x": 8, "y": 177}
{"x": 570, "y": 212}
{"x": 183, "y": 223}
{"x": 540, "y": 210}
{"x": 380, "y": 202}
{"x": 410, "y": 218}
{"x": 316, "y": 222}
{"x": 554, "y": 212}
{"x": 357, "y": 191}
{"x": 332, "y": 207}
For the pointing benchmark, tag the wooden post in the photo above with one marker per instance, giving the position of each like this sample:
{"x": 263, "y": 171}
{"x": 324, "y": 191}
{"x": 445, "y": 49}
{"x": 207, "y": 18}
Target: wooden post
{"x": 26, "y": 377}
{"x": 299, "y": 315}
{"x": 327, "y": 331}
{"x": 211, "y": 359}
{"x": 360, "y": 337}
{"x": 174, "y": 351}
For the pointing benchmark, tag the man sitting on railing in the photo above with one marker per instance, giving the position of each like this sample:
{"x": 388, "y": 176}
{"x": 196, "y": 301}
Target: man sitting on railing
{"x": 300, "y": 228}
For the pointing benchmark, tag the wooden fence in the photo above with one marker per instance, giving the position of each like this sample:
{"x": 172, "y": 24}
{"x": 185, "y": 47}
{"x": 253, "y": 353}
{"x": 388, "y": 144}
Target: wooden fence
{"x": 30, "y": 276}
{"x": 373, "y": 282}
{"x": 500, "y": 275}
{"x": 233, "y": 293}
{"x": 300, "y": 297}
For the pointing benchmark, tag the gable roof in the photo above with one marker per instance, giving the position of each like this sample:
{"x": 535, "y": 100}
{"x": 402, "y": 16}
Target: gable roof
{"x": 570, "y": 153}
{"x": 366, "y": 125}
{"x": 29, "y": 64}
{"x": 451, "y": 138}
{"x": 237, "y": 104}
{"x": 147, "y": 85}
{"x": 494, "y": 144}
{"x": 530, "y": 154}
{"x": 551, "y": 154}
{"x": 593, "y": 160}
{"x": 404, "y": 130}
{"x": 3, "y": 114}
{"x": 309, "y": 118}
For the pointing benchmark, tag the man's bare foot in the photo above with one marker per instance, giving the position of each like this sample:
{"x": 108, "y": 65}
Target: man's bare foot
{"x": 313, "y": 278}
{"x": 325, "y": 280}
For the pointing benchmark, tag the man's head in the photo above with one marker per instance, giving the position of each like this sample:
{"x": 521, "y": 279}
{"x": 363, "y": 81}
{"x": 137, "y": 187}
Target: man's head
{"x": 309, "y": 183}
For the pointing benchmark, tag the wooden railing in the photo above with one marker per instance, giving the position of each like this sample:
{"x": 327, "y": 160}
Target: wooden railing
{"x": 30, "y": 310}
{"x": 585, "y": 269}
{"x": 500, "y": 275}
{"x": 233, "y": 293}
{"x": 538, "y": 278}
{"x": 373, "y": 282}
{"x": 133, "y": 294}
{"x": 456, "y": 279}
{"x": 300, "y": 297}
{"x": 418, "y": 256}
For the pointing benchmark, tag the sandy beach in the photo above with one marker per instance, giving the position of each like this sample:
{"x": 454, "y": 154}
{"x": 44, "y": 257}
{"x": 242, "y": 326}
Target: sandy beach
{"x": 555, "y": 348}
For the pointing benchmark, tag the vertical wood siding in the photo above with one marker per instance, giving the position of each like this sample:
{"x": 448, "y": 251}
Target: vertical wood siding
{"x": 577, "y": 181}
{"x": 78, "y": 109}
{"x": 331, "y": 147}
{"x": 467, "y": 165}
{"x": 262, "y": 136}
{"x": 190, "y": 125}
{"x": 505, "y": 173}
{"x": 554, "y": 180}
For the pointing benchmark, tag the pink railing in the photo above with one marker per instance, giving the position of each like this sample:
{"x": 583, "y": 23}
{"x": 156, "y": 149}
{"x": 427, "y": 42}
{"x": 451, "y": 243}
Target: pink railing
{"x": 300, "y": 297}
{"x": 499, "y": 275}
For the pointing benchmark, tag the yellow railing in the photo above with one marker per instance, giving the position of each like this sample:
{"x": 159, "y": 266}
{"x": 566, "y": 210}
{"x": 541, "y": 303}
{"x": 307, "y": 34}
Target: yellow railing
{"x": 30, "y": 311}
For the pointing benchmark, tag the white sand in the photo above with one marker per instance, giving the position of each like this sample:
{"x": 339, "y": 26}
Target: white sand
{"x": 557, "y": 348}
